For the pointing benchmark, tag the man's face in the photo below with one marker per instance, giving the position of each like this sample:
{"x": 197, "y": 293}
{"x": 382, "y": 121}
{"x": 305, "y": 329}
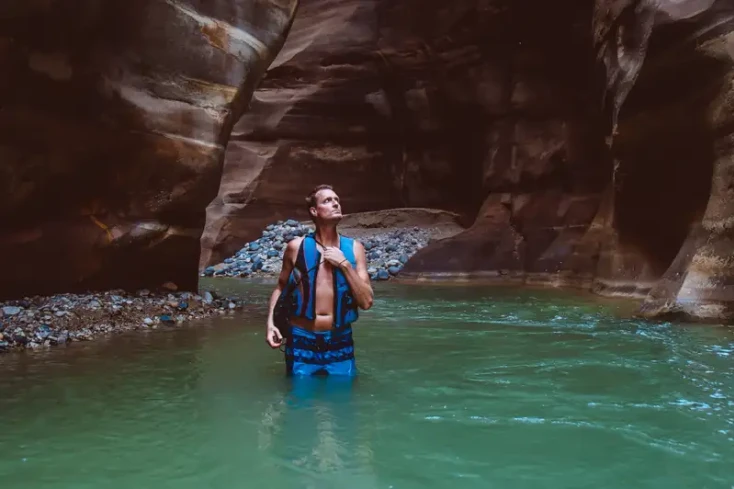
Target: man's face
{"x": 327, "y": 207}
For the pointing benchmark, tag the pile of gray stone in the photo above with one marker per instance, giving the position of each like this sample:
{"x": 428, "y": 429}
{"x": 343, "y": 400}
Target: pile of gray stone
{"x": 44, "y": 321}
{"x": 387, "y": 251}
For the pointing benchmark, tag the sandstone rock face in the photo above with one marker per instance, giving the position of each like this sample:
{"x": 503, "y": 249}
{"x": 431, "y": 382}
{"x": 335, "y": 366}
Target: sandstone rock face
{"x": 664, "y": 223}
{"x": 114, "y": 116}
{"x": 564, "y": 236}
{"x": 677, "y": 130}
{"x": 589, "y": 144}
{"x": 421, "y": 103}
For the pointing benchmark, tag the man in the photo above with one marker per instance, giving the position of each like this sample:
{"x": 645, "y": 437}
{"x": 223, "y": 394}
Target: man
{"x": 332, "y": 283}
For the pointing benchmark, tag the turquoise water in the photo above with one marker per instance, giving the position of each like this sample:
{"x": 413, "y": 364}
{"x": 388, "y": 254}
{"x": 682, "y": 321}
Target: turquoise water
{"x": 459, "y": 388}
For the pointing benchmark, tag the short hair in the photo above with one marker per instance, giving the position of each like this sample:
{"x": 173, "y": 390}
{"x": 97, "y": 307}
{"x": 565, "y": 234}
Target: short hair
{"x": 311, "y": 199}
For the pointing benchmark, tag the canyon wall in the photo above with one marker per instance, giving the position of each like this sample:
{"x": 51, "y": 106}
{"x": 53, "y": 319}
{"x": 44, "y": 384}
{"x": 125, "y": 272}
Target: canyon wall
{"x": 674, "y": 148}
{"x": 114, "y": 116}
{"x": 586, "y": 144}
{"x": 422, "y": 104}
{"x": 663, "y": 230}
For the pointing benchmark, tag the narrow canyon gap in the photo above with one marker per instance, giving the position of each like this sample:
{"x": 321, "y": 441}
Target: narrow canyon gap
{"x": 585, "y": 143}
{"x": 423, "y": 104}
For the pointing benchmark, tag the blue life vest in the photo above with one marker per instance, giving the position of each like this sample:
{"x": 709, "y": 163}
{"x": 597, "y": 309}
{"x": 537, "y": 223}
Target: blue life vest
{"x": 306, "y": 269}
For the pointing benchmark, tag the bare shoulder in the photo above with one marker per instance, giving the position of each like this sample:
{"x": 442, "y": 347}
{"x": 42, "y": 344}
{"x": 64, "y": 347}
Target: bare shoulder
{"x": 293, "y": 245}
{"x": 291, "y": 249}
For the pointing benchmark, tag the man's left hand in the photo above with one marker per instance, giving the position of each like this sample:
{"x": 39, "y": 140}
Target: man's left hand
{"x": 334, "y": 256}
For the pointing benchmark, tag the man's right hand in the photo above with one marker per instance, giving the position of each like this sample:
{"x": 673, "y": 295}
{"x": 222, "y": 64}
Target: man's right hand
{"x": 273, "y": 336}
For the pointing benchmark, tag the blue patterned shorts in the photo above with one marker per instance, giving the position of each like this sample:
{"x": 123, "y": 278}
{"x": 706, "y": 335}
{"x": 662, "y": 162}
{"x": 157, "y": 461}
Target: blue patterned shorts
{"x": 321, "y": 352}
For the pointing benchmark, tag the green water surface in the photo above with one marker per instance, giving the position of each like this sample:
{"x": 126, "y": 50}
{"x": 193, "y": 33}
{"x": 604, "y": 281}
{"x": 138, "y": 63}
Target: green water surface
{"x": 458, "y": 388}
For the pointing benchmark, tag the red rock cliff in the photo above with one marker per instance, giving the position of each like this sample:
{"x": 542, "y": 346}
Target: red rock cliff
{"x": 589, "y": 143}
{"x": 114, "y": 116}
{"x": 421, "y": 104}
{"x": 673, "y": 204}
{"x": 663, "y": 229}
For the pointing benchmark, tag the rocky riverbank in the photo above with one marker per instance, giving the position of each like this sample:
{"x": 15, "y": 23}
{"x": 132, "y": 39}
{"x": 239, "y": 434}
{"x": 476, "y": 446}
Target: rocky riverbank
{"x": 390, "y": 238}
{"x": 41, "y": 322}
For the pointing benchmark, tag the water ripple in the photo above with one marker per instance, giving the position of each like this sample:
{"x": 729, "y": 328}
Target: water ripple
{"x": 462, "y": 388}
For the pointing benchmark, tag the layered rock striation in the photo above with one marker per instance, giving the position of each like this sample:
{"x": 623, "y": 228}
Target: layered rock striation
{"x": 663, "y": 229}
{"x": 114, "y": 116}
{"x": 584, "y": 143}
{"x": 587, "y": 144}
{"x": 419, "y": 104}
{"x": 674, "y": 160}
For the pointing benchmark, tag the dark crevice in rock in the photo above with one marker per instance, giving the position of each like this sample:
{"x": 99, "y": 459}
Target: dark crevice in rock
{"x": 665, "y": 147}
{"x": 677, "y": 120}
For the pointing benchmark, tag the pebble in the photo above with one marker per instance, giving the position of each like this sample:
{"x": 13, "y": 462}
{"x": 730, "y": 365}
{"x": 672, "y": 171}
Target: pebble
{"x": 387, "y": 252}
{"x": 11, "y": 310}
{"x": 40, "y": 322}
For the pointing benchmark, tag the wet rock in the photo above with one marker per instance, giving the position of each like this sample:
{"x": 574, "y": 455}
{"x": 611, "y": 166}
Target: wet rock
{"x": 40, "y": 322}
{"x": 43, "y": 332}
{"x": 11, "y": 310}
{"x": 19, "y": 337}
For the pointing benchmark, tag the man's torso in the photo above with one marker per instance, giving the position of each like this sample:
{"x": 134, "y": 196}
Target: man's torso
{"x": 324, "y": 299}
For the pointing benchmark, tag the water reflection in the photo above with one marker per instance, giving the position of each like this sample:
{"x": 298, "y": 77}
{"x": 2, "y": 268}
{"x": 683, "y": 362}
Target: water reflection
{"x": 315, "y": 431}
{"x": 451, "y": 394}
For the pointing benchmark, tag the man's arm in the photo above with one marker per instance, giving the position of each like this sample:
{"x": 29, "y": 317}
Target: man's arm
{"x": 273, "y": 335}
{"x": 359, "y": 279}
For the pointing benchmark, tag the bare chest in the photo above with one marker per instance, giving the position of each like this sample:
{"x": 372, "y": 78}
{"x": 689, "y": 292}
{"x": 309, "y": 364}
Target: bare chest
{"x": 324, "y": 289}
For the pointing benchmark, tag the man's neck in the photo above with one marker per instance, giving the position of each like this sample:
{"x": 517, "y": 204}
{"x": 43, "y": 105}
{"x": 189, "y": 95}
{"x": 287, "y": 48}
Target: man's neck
{"x": 327, "y": 235}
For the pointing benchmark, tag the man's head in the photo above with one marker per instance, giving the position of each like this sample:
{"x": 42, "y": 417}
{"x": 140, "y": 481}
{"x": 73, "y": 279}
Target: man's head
{"x": 324, "y": 205}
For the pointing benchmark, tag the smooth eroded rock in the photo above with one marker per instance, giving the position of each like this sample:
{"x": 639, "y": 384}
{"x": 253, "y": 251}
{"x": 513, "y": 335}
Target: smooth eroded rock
{"x": 413, "y": 103}
{"x": 115, "y": 115}
{"x": 673, "y": 147}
